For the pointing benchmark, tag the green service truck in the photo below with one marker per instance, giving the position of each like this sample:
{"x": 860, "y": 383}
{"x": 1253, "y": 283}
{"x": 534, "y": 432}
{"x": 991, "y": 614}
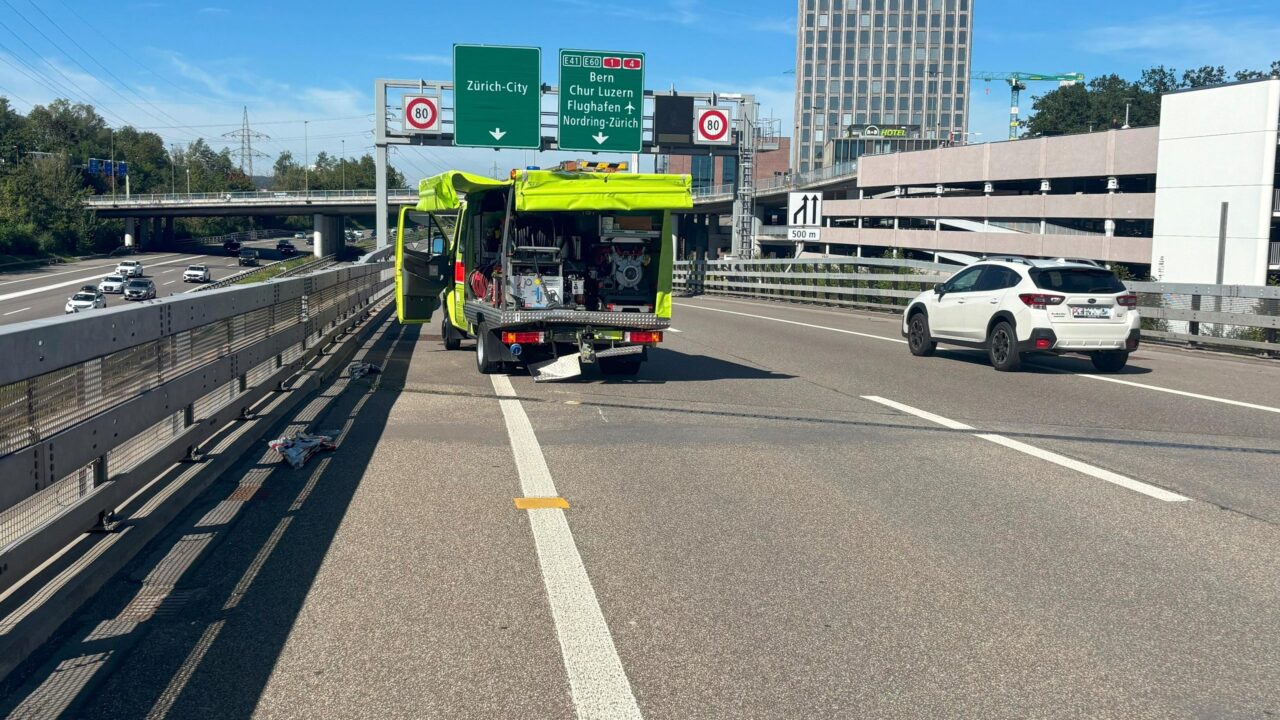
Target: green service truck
{"x": 551, "y": 269}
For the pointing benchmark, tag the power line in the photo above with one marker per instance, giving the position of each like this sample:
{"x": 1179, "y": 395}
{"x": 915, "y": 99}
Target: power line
{"x": 267, "y": 122}
{"x": 58, "y": 70}
{"x": 94, "y": 59}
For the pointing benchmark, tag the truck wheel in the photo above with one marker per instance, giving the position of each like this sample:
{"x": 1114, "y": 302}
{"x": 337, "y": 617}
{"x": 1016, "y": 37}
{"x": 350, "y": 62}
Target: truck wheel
{"x": 1110, "y": 361}
{"x": 484, "y": 353}
{"x": 452, "y": 340}
{"x": 625, "y": 365}
{"x": 1002, "y": 346}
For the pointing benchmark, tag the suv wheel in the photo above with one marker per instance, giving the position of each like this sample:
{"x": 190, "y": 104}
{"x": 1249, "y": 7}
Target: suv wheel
{"x": 1110, "y": 361}
{"x": 1002, "y": 347}
{"x": 918, "y": 338}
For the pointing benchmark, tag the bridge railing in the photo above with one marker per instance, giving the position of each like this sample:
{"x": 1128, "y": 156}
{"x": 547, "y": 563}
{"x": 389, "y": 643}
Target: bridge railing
{"x": 94, "y": 406}
{"x": 268, "y": 197}
{"x": 1241, "y": 317}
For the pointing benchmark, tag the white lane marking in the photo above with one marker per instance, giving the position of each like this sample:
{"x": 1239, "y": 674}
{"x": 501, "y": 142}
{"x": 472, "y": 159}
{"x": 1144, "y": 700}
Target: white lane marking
{"x": 71, "y": 272}
{"x": 1184, "y": 393}
{"x": 169, "y": 283}
{"x": 945, "y": 422}
{"x": 1157, "y": 388}
{"x": 15, "y": 312}
{"x": 671, "y": 329}
{"x": 1158, "y": 493}
{"x": 82, "y": 281}
{"x": 1105, "y": 475}
{"x": 793, "y": 322}
{"x": 597, "y": 681}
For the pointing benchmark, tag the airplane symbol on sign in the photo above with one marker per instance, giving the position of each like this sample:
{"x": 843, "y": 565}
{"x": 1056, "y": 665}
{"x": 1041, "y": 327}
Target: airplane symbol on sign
{"x": 630, "y": 108}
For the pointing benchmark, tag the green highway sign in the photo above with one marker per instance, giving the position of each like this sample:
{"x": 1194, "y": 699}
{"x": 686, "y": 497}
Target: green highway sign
{"x": 497, "y": 94}
{"x": 601, "y": 100}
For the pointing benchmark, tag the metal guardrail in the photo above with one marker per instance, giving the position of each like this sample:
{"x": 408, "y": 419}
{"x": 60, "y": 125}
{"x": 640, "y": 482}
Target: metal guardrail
{"x": 94, "y": 406}
{"x": 245, "y": 198}
{"x": 237, "y": 278}
{"x": 794, "y": 181}
{"x": 1236, "y": 316}
{"x": 241, "y": 236}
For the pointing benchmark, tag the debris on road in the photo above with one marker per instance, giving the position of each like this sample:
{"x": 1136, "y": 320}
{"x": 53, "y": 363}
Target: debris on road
{"x": 358, "y": 370}
{"x": 298, "y": 449}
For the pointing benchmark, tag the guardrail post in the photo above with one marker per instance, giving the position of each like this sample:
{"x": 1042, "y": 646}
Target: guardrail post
{"x": 99, "y": 471}
{"x": 1194, "y": 325}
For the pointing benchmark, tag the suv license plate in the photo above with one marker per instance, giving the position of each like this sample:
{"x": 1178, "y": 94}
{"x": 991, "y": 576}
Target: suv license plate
{"x": 1087, "y": 311}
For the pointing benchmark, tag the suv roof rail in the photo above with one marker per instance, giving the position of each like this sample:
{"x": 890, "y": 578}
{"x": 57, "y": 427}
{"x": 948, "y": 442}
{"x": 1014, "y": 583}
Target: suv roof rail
{"x": 1006, "y": 258}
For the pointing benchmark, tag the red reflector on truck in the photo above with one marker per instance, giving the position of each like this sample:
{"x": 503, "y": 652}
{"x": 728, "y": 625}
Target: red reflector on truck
{"x": 459, "y": 273}
{"x": 524, "y": 338}
{"x": 642, "y": 337}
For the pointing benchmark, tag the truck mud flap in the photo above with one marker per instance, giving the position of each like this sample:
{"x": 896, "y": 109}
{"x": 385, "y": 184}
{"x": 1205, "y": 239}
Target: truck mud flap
{"x": 565, "y": 367}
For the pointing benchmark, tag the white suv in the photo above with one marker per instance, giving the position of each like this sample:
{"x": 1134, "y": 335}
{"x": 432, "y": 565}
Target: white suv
{"x": 1010, "y": 307}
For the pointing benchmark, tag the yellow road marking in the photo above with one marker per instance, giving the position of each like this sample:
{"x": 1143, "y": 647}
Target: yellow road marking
{"x": 537, "y": 503}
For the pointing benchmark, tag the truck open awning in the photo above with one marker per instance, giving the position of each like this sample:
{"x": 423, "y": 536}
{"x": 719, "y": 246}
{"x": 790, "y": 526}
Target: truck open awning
{"x": 552, "y": 190}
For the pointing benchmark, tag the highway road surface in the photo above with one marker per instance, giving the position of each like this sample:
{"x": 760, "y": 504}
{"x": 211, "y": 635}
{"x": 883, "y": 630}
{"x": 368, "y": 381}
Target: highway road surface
{"x": 784, "y": 516}
{"x": 43, "y": 293}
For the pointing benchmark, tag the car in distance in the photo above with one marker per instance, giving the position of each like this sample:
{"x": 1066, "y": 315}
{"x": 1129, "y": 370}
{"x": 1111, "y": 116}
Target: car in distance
{"x": 248, "y": 256}
{"x": 90, "y": 289}
{"x": 140, "y": 289}
{"x": 113, "y": 283}
{"x": 84, "y": 301}
{"x": 286, "y": 248}
{"x": 196, "y": 273}
{"x": 1012, "y": 307}
{"x": 130, "y": 268}
{"x": 231, "y": 247}
{"x": 304, "y": 237}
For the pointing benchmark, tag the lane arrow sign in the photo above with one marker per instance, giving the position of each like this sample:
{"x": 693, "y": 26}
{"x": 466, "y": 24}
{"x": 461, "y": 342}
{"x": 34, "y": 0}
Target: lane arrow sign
{"x": 497, "y": 133}
{"x": 599, "y": 137}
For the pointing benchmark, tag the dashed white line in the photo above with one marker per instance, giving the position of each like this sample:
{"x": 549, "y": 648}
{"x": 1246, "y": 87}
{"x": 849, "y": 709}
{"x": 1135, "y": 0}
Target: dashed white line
{"x": 793, "y": 322}
{"x": 1144, "y": 386}
{"x": 15, "y": 312}
{"x": 597, "y": 681}
{"x": 1158, "y": 493}
{"x": 81, "y": 281}
{"x": 170, "y": 282}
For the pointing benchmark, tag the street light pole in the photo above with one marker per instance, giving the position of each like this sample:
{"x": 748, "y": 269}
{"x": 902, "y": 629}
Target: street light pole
{"x": 344, "y": 165}
{"x": 188, "y": 168}
{"x": 113, "y": 164}
{"x": 306, "y": 160}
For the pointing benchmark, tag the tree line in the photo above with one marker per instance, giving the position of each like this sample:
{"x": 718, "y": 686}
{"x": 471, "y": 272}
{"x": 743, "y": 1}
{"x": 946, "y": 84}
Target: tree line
{"x": 45, "y": 176}
{"x": 1100, "y": 104}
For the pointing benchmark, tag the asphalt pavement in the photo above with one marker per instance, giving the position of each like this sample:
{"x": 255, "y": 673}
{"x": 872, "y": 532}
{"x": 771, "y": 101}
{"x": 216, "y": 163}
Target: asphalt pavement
{"x": 43, "y": 293}
{"x": 785, "y": 515}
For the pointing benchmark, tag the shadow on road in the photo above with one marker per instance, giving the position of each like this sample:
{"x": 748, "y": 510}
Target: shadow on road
{"x": 665, "y": 365}
{"x": 209, "y": 650}
{"x": 1040, "y": 364}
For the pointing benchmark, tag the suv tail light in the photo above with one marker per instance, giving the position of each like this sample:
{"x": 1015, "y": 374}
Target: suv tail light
{"x": 1129, "y": 301}
{"x": 1040, "y": 301}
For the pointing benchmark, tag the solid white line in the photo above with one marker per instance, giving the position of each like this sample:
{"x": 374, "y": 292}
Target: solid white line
{"x": 1106, "y": 475}
{"x": 597, "y": 681}
{"x": 1184, "y": 393}
{"x": 81, "y": 281}
{"x": 14, "y": 312}
{"x": 945, "y": 422}
{"x": 1066, "y": 462}
{"x": 793, "y": 322}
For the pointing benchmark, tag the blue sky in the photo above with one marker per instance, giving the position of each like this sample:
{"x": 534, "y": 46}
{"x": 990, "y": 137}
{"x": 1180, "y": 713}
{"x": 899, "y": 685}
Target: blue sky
{"x": 196, "y": 64}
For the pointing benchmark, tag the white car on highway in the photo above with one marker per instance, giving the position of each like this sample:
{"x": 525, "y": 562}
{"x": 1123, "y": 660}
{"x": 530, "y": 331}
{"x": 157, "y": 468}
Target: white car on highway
{"x": 112, "y": 284}
{"x": 84, "y": 301}
{"x": 1014, "y": 306}
{"x": 129, "y": 268}
{"x": 196, "y": 273}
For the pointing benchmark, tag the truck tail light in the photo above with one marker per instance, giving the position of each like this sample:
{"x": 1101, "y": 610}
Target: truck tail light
{"x": 1040, "y": 301}
{"x": 645, "y": 336}
{"x": 1129, "y": 301}
{"x": 524, "y": 338}
{"x": 459, "y": 273}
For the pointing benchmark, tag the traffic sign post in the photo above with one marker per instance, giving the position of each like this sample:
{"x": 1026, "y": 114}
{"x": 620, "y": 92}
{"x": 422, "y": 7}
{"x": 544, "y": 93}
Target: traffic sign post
{"x": 421, "y": 114}
{"x": 496, "y": 96}
{"x": 601, "y": 101}
{"x": 711, "y": 127}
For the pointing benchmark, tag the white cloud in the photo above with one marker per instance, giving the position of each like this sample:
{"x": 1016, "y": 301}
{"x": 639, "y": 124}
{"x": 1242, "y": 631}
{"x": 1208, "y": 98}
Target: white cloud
{"x": 1193, "y": 36}
{"x": 427, "y": 59}
{"x": 783, "y": 26}
{"x": 213, "y": 10}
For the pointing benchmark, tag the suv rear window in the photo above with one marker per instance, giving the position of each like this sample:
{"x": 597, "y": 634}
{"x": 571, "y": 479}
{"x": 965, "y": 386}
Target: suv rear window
{"x": 1077, "y": 280}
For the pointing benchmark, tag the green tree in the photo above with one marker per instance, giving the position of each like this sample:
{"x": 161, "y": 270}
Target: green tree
{"x": 1205, "y": 76}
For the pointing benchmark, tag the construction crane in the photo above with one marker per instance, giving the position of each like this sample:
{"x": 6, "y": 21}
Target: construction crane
{"x": 1018, "y": 82}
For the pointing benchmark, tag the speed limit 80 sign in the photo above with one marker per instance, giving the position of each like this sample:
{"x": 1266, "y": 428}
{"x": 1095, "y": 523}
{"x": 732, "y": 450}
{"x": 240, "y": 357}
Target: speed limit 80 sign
{"x": 421, "y": 114}
{"x": 711, "y": 126}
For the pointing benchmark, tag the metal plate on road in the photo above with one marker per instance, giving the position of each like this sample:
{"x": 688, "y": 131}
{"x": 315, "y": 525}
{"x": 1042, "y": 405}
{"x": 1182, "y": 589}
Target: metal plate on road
{"x": 497, "y": 96}
{"x": 601, "y": 101}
